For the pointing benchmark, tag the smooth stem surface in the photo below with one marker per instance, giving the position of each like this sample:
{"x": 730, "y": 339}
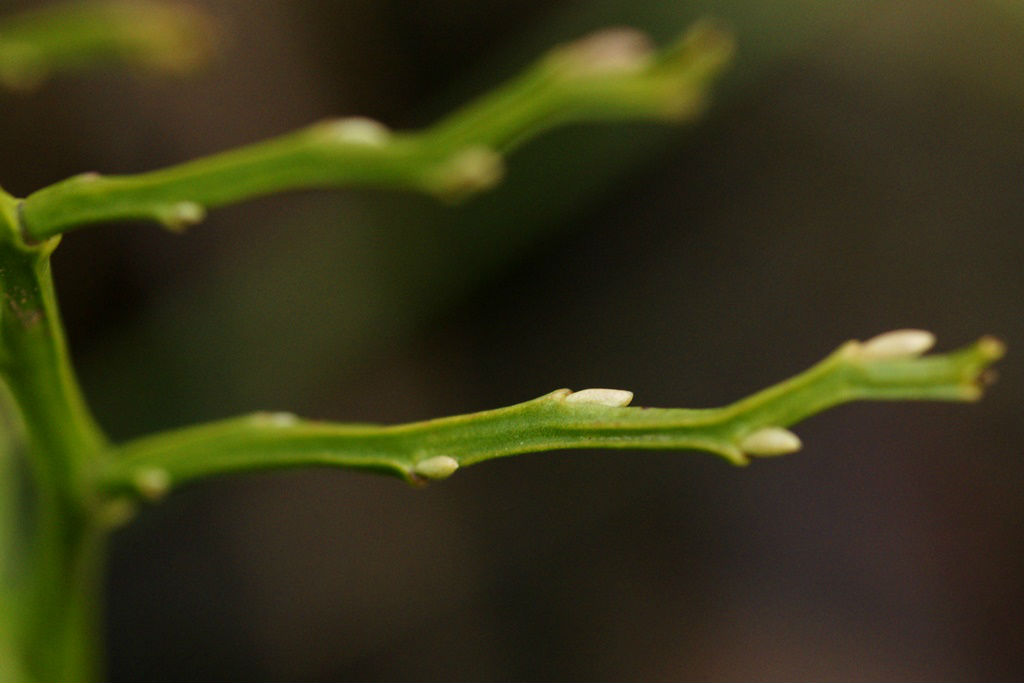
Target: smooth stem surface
{"x": 76, "y": 35}
{"x": 77, "y": 483}
{"x": 12, "y": 560}
{"x": 51, "y": 603}
{"x": 611, "y": 75}
{"x": 151, "y": 466}
{"x": 49, "y": 630}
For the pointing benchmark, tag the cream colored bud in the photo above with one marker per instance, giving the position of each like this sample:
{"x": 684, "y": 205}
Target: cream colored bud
{"x": 176, "y": 217}
{"x": 469, "y": 170}
{"x": 770, "y": 441}
{"x": 611, "y": 51}
{"x": 152, "y": 482}
{"x": 897, "y": 344}
{"x": 614, "y": 398}
{"x": 357, "y": 130}
{"x": 437, "y": 467}
{"x": 275, "y": 419}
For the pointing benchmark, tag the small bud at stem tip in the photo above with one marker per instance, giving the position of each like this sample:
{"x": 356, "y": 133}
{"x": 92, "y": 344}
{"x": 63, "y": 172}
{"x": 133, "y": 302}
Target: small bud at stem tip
{"x": 990, "y": 347}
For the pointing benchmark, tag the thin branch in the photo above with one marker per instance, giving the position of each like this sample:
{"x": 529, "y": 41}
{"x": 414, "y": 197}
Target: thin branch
{"x": 612, "y": 75}
{"x": 888, "y": 367}
{"x": 73, "y": 36}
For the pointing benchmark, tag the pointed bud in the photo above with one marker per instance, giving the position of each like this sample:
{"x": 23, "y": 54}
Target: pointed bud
{"x": 897, "y": 344}
{"x": 356, "y": 130}
{"x": 770, "y": 441}
{"x": 611, "y": 51}
{"x": 613, "y": 398}
{"x": 265, "y": 419}
{"x": 437, "y": 467}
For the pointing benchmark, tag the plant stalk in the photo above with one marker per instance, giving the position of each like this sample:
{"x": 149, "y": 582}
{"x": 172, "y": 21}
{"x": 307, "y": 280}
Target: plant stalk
{"x": 53, "y": 610}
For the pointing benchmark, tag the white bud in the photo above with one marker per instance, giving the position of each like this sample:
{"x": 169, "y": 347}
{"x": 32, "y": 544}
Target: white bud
{"x": 469, "y": 170}
{"x": 357, "y": 130}
{"x": 897, "y": 344}
{"x": 437, "y": 467}
{"x": 152, "y": 482}
{"x": 611, "y": 51}
{"x": 176, "y": 217}
{"x": 275, "y": 419}
{"x": 770, "y": 441}
{"x": 614, "y": 398}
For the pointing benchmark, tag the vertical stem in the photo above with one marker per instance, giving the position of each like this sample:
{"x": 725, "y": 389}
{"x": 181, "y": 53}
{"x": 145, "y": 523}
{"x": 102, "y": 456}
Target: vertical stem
{"x": 56, "y": 615}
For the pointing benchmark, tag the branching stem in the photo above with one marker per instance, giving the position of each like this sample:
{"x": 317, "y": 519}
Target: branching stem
{"x": 611, "y": 75}
{"x": 562, "y": 419}
{"x": 78, "y": 484}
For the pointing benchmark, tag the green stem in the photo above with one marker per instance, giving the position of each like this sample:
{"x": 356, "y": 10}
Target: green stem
{"x": 75, "y": 35}
{"x": 610, "y": 75}
{"x": 151, "y": 466}
{"x": 52, "y": 615}
{"x": 55, "y": 596}
{"x": 78, "y": 483}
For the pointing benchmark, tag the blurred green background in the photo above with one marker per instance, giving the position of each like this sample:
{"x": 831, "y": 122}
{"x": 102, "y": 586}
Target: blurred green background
{"x": 860, "y": 170}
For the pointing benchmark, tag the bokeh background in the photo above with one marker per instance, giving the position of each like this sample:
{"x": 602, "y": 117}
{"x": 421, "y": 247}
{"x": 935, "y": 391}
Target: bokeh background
{"x": 860, "y": 170}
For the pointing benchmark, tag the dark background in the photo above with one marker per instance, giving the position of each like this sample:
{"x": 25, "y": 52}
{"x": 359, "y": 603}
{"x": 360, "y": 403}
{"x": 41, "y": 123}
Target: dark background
{"x": 861, "y": 170}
